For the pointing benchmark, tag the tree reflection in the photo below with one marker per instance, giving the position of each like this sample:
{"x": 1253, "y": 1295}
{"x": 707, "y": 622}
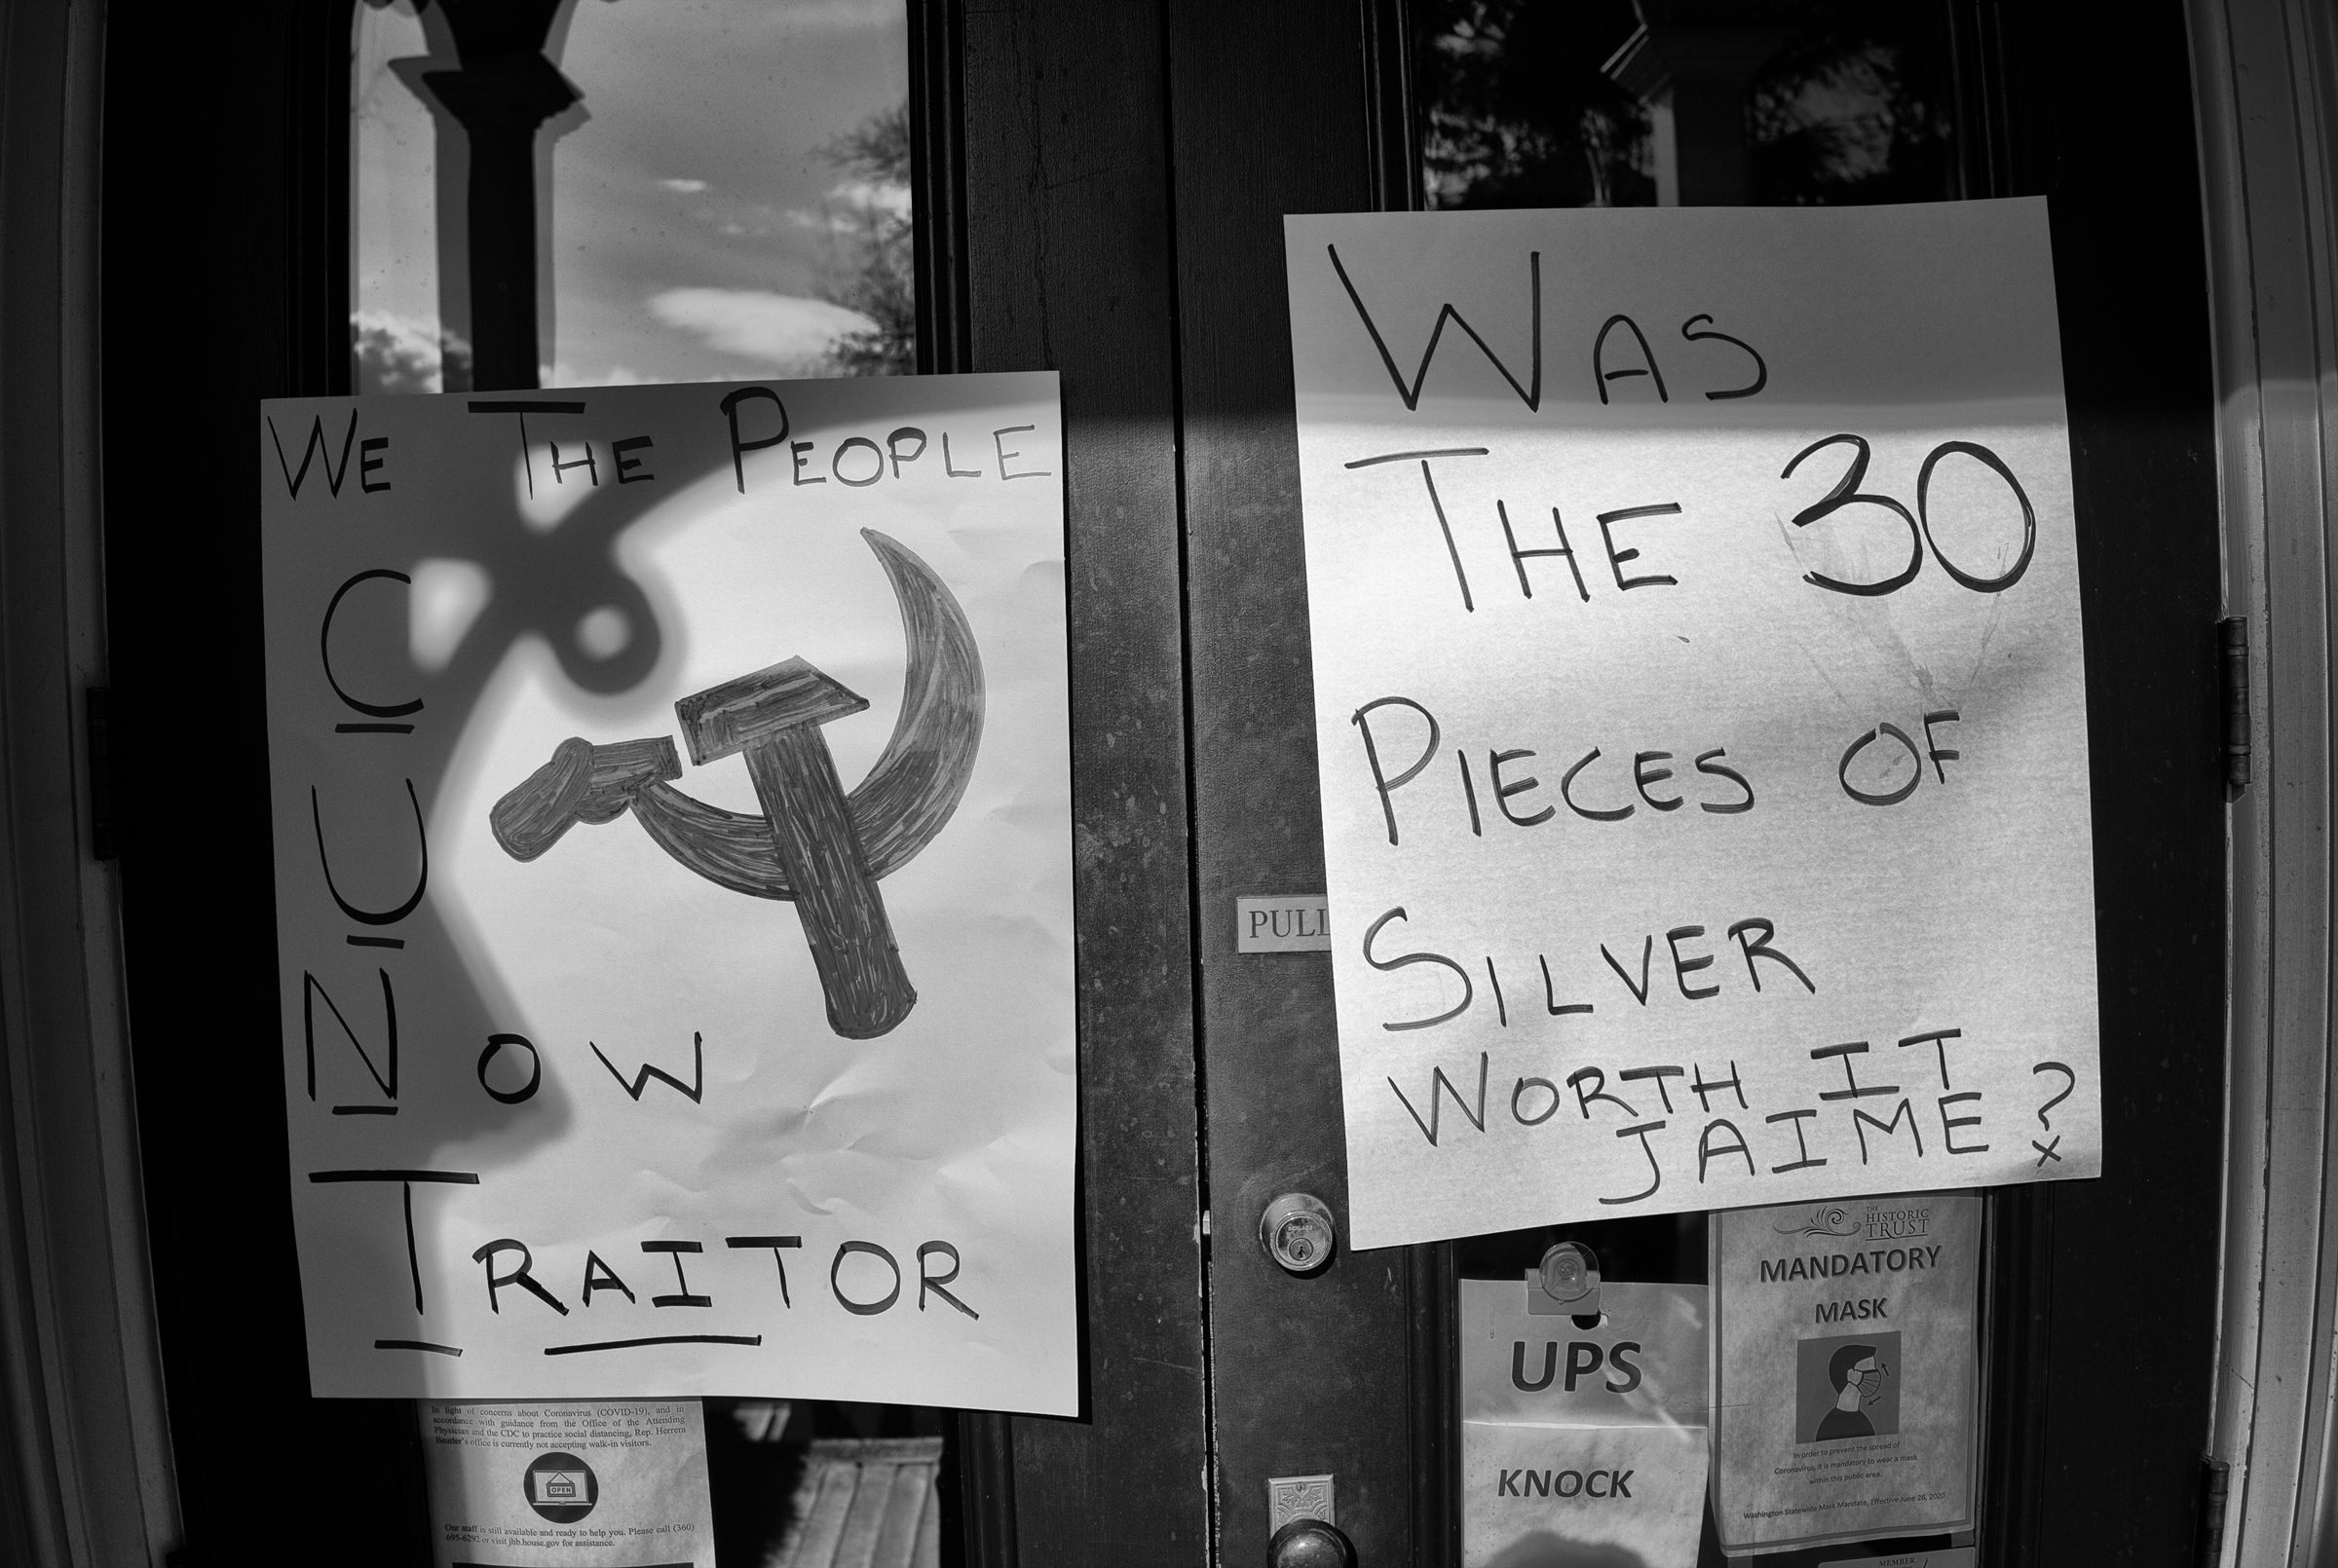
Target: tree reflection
{"x": 1517, "y": 112}
{"x": 874, "y": 270}
{"x": 1854, "y": 109}
{"x": 1521, "y": 106}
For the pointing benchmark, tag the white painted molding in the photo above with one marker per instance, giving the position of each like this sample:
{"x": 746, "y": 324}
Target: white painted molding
{"x": 2266, "y": 84}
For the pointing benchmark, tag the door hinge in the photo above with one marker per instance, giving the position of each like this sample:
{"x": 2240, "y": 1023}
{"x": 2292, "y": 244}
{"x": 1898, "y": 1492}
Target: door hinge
{"x": 2215, "y": 1484}
{"x": 97, "y": 722}
{"x": 2232, "y": 663}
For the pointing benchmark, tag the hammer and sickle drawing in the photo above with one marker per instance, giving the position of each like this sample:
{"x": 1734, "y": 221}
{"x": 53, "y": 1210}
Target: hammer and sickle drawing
{"x": 815, "y": 846}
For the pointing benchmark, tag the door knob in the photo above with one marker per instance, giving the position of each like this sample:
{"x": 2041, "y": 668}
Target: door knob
{"x": 1297, "y": 1233}
{"x": 1310, "y": 1543}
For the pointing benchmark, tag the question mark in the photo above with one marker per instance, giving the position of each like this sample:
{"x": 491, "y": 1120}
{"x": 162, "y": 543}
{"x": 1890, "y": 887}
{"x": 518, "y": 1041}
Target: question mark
{"x": 2046, "y": 1151}
{"x": 2072, "y": 1083}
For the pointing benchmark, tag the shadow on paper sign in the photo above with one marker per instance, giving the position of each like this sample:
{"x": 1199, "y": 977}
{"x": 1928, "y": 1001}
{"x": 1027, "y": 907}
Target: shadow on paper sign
{"x": 769, "y": 1091}
{"x": 1543, "y": 1550}
{"x": 1719, "y": 568}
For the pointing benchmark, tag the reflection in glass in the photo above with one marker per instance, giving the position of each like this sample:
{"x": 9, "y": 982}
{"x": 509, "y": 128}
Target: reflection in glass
{"x": 1683, "y": 103}
{"x": 1854, "y": 108}
{"x": 727, "y": 196}
{"x": 399, "y": 343}
{"x": 1516, "y": 109}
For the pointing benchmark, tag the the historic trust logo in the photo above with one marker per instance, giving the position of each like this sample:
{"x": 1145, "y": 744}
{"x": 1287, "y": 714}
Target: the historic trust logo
{"x": 1876, "y": 1222}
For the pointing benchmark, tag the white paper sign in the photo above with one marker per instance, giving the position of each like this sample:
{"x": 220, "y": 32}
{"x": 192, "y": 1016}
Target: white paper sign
{"x": 1701, "y": 707}
{"x": 674, "y": 893}
{"x": 591, "y": 1484}
{"x": 1847, "y": 1370}
{"x": 1582, "y": 1443}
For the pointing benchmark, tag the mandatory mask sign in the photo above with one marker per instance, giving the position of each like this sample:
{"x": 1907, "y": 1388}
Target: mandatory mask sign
{"x": 1701, "y": 707}
{"x": 671, "y": 807}
{"x": 1846, "y": 1369}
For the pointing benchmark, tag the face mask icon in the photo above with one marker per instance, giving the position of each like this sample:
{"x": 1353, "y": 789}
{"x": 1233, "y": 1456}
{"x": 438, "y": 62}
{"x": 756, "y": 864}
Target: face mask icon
{"x": 1848, "y": 1387}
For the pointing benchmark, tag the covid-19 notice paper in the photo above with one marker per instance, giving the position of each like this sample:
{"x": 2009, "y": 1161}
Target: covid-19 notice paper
{"x": 1846, "y": 1370}
{"x": 1582, "y": 1439}
{"x": 568, "y": 1484}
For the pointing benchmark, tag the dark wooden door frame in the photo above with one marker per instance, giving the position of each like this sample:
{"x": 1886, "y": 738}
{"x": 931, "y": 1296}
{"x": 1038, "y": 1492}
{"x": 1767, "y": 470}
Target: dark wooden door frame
{"x": 1046, "y": 243}
{"x": 224, "y": 275}
{"x": 1115, "y": 175}
{"x": 2099, "y": 1435}
{"x": 1296, "y": 119}
{"x": 1348, "y": 1371}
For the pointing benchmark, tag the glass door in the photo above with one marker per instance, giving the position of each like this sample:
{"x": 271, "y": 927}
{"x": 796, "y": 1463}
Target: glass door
{"x": 1342, "y": 1378}
{"x": 1099, "y": 191}
{"x": 771, "y": 204}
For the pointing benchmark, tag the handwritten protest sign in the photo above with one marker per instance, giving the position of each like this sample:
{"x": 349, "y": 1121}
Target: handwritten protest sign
{"x": 1700, "y": 707}
{"x": 670, "y": 791}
